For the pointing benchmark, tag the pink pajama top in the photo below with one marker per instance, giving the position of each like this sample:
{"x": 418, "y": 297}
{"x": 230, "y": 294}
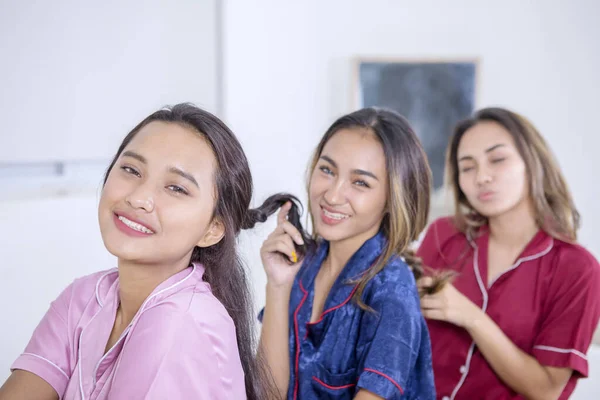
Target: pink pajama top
{"x": 180, "y": 345}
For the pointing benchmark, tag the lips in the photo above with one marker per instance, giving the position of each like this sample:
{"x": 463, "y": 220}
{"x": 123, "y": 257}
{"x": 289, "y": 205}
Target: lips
{"x": 330, "y": 216}
{"x": 131, "y": 225}
{"x": 485, "y": 196}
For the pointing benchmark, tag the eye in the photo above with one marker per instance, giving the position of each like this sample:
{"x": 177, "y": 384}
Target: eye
{"x": 325, "y": 170}
{"x": 362, "y": 184}
{"x": 177, "y": 189}
{"x": 130, "y": 170}
{"x": 466, "y": 169}
{"x": 498, "y": 160}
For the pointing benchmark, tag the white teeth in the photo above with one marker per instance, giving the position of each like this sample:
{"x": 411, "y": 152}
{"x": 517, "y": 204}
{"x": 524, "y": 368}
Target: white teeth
{"x": 135, "y": 225}
{"x": 334, "y": 215}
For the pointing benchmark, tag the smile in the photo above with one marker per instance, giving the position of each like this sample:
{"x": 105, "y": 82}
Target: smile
{"x": 336, "y": 216}
{"x": 134, "y": 225}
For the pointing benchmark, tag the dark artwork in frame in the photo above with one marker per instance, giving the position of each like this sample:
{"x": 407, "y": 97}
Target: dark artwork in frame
{"x": 432, "y": 95}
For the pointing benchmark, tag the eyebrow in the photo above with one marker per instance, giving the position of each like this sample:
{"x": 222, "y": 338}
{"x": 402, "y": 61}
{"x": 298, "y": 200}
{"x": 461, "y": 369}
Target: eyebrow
{"x": 173, "y": 170}
{"x": 354, "y": 171}
{"x": 135, "y": 155}
{"x": 185, "y": 175}
{"x": 490, "y": 149}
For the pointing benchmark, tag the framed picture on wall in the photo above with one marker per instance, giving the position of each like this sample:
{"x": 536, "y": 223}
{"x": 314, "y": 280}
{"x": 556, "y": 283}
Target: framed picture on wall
{"x": 432, "y": 94}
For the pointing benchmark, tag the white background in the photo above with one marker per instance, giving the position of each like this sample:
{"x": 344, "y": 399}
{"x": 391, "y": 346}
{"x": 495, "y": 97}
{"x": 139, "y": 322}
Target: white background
{"x": 288, "y": 72}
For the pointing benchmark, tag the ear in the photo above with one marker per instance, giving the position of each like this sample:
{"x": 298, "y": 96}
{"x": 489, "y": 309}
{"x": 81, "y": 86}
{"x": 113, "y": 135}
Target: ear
{"x": 214, "y": 233}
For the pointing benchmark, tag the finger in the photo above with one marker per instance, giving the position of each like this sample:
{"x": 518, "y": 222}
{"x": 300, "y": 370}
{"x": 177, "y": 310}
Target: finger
{"x": 294, "y": 233}
{"x": 434, "y": 314}
{"x": 287, "y": 241}
{"x": 283, "y": 241}
{"x": 430, "y": 303}
{"x": 281, "y": 237}
{"x": 283, "y": 212}
{"x": 425, "y": 282}
{"x": 279, "y": 246}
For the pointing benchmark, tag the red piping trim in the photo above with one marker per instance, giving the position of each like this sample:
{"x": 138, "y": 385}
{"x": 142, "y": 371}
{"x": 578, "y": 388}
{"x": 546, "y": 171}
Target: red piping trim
{"x": 297, "y": 340}
{"x": 320, "y": 382}
{"x": 387, "y": 377}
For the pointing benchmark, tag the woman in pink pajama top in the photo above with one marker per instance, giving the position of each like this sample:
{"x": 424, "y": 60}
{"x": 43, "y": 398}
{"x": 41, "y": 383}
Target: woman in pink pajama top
{"x": 174, "y": 320}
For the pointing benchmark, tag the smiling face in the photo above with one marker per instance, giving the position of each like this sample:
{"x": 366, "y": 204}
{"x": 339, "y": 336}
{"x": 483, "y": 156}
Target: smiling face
{"x": 348, "y": 187}
{"x": 158, "y": 200}
{"x": 492, "y": 173}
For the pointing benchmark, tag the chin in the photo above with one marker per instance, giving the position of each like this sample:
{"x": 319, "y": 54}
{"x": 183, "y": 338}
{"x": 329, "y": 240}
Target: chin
{"x": 492, "y": 211}
{"x": 126, "y": 248}
{"x": 332, "y": 234}
{"x": 122, "y": 251}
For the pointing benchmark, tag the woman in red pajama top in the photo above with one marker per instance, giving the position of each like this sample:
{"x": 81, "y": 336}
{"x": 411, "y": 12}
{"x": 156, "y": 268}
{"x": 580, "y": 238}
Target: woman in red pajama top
{"x": 518, "y": 318}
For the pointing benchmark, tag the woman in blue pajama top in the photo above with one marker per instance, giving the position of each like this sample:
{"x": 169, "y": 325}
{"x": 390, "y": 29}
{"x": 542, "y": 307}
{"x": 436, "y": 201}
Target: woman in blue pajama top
{"x": 344, "y": 321}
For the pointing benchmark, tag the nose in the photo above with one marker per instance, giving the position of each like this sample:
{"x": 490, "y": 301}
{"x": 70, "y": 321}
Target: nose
{"x": 335, "y": 194}
{"x": 142, "y": 198}
{"x": 484, "y": 175}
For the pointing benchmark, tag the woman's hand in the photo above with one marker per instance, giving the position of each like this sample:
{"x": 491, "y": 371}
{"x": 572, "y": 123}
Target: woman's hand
{"x": 277, "y": 251}
{"x": 448, "y": 305}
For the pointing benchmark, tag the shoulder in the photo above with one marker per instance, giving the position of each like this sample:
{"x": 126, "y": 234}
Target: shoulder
{"x": 395, "y": 273}
{"x": 572, "y": 259}
{"x": 439, "y": 233}
{"x": 89, "y": 287}
{"x": 196, "y": 316}
{"x": 195, "y": 329}
{"x": 208, "y": 312}
{"x": 393, "y": 285}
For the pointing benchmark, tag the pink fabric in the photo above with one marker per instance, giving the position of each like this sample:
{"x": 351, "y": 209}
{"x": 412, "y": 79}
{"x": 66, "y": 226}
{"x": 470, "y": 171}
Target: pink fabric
{"x": 180, "y": 345}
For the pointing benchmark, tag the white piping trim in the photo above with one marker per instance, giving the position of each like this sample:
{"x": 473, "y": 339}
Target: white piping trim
{"x": 558, "y": 350}
{"x": 98, "y": 286}
{"x": 126, "y": 330}
{"x": 483, "y": 308}
{"x": 479, "y": 280}
{"x": 49, "y": 362}
{"x": 116, "y": 367}
{"x": 165, "y": 289}
{"x": 79, "y": 354}
{"x": 524, "y": 259}
{"x": 464, "y": 375}
{"x": 483, "y": 290}
{"x": 108, "y": 352}
{"x": 79, "y": 362}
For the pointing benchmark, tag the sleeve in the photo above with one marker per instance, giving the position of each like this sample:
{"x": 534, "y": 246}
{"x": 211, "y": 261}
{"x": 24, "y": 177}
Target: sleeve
{"x": 169, "y": 355}
{"x": 393, "y": 333}
{"x": 48, "y": 353}
{"x": 572, "y": 313}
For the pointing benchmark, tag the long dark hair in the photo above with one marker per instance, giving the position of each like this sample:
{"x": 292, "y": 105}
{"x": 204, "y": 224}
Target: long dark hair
{"x": 554, "y": 209}
{"x": 225, "y": 271}
{"x": 409, "y": 182}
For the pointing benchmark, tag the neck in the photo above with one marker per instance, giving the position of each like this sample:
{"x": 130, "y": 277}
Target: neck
{"x": 514, "y": 228}
{"x": 341, "y": 251}
{"x": 138, "y": 281}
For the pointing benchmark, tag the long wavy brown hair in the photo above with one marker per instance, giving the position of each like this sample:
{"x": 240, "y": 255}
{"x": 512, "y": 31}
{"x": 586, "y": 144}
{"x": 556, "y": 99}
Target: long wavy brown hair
{"x": 554, "y": 210}
{"x": 409, "y": 182}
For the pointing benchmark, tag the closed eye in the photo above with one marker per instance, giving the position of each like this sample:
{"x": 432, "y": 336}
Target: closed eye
{"x": 498, "y": 160}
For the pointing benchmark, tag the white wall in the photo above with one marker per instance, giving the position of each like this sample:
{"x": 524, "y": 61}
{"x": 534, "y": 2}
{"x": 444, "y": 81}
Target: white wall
{"x": 75, "y": 76}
